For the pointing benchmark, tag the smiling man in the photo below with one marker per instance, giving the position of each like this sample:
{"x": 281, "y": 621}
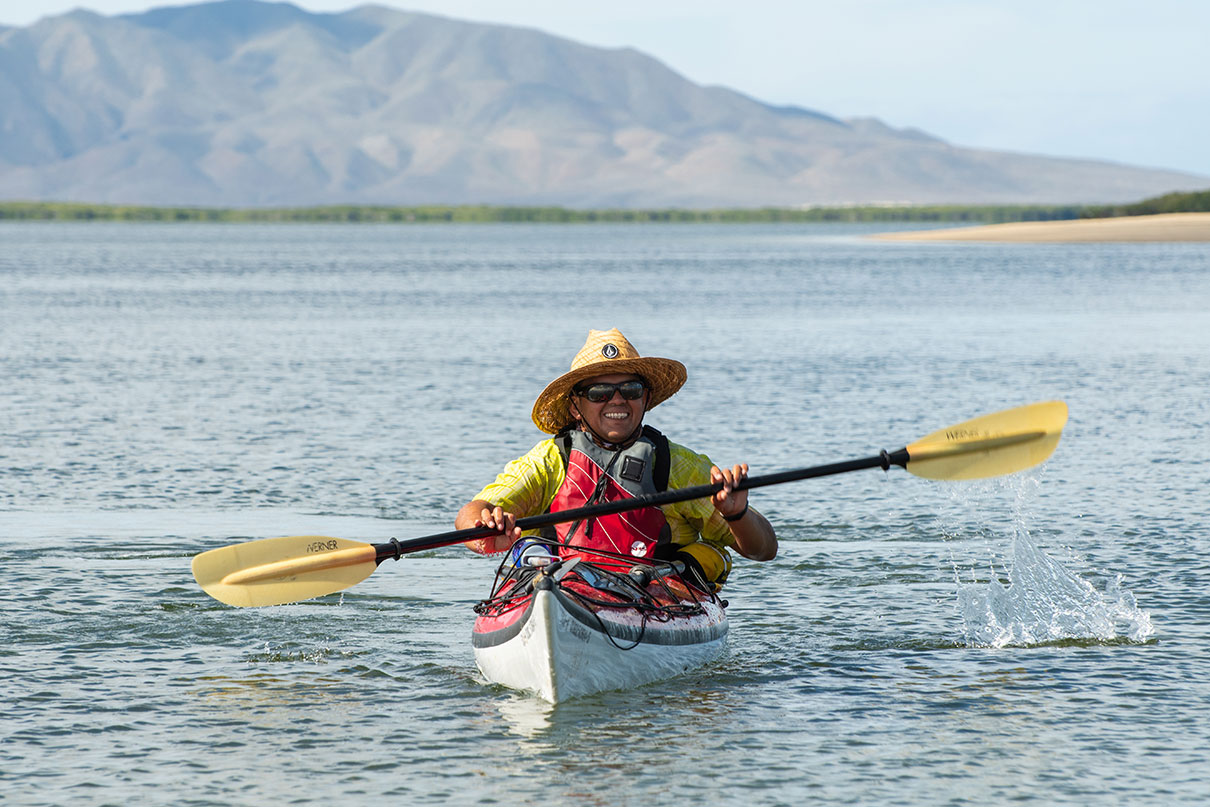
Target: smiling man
{"x": 601, "y": 451}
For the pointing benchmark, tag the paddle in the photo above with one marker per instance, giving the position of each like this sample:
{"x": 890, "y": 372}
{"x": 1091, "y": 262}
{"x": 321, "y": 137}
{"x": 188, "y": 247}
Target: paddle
{"x": 275, "y": 571}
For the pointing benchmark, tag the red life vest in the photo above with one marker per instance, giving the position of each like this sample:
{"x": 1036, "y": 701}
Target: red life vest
{"x": 597, "y": 474}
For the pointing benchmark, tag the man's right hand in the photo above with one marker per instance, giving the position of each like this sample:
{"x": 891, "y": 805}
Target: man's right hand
{"x": 479, "y": 513}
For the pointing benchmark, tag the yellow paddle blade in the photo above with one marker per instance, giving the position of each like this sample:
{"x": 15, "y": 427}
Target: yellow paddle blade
{"x": 275, "y": 571}
{"x": 991, "y": 445}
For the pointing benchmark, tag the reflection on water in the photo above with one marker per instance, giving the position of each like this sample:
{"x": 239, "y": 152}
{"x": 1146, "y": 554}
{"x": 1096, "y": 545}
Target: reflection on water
{"x": 525, "y": 716}
{"x": 577, "y": 723}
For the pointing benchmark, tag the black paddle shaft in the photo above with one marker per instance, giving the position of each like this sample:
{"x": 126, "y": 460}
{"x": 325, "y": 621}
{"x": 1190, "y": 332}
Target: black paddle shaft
{"x": 394, "y": 549}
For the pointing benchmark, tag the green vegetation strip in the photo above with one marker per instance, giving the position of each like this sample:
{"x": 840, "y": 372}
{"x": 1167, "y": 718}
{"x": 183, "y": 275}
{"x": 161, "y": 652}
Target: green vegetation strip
{"x": 1195, "y": 202}
{"x": 70, "y": 211}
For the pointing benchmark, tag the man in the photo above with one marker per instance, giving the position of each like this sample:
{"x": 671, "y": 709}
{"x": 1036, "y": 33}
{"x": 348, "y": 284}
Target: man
{"x": 603, "y": 452}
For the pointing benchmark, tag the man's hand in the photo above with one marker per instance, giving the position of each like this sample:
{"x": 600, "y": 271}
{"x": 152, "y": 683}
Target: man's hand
{"x": 727, "y": 501}
{"x": 754, "y": 536}
{"x": 479, "y": 513}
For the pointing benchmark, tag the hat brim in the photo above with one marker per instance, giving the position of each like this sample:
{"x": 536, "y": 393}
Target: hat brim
{"x": 552, "y": 412}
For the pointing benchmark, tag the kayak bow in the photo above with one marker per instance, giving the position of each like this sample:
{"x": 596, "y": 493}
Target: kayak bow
{"x": 574, "y": 628}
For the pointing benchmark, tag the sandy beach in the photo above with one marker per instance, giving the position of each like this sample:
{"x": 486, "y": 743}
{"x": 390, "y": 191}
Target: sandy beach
{"x": 1165, "y": 227}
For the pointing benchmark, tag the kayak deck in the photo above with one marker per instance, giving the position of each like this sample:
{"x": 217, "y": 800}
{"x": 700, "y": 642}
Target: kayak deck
{"x": 575, "y": 627}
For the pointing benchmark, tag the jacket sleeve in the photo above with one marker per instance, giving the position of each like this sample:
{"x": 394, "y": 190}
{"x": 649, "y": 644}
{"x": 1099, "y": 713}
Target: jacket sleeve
{"x": 528, "y": 484}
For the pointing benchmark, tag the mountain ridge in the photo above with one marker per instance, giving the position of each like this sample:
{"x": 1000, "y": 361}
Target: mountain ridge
{"x": 248, "y": 103}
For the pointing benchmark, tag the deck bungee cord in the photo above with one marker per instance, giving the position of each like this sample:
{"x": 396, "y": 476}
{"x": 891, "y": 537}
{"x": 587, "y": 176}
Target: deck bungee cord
{"x": 514, "y": 586}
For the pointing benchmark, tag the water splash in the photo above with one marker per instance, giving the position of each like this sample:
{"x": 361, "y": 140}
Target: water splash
{"x": 289, "y": 654}
{"x": 1040, "y": 602}
{"x": 1025, "y": 596}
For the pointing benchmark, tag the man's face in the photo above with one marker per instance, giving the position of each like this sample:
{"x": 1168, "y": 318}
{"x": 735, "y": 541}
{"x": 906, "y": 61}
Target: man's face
{"x": 615, "y": 418}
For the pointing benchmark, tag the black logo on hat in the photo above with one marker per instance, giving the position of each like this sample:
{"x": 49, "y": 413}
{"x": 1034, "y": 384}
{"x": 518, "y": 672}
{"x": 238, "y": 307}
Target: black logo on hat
{"x": 610, "y": 351}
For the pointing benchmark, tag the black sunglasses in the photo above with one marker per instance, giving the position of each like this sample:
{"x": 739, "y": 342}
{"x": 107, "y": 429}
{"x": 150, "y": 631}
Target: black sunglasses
{"x": 601, "y": 392}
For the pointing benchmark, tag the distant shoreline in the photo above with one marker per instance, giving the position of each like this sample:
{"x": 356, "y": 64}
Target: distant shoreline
{"x": 438, "y": 214}
{"x": 422, "y": 214}
{"x": 1163, "y": 227}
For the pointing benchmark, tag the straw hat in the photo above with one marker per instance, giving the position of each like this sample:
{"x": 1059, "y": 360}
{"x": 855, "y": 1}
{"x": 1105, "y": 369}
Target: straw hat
{"x": 605, "y": 353}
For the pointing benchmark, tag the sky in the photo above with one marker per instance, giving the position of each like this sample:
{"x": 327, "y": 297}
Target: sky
{"x": 1121, "y": 80}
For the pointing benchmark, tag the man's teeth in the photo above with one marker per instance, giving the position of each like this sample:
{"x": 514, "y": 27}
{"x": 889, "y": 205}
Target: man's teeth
{"x": 616, "y": 415}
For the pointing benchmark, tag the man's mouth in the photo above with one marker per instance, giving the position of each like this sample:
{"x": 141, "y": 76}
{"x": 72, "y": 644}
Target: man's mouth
{"x": 616, "y": 415}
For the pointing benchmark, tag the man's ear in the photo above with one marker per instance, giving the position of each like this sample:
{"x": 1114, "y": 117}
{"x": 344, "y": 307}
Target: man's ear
{"x": 571, "y": 407}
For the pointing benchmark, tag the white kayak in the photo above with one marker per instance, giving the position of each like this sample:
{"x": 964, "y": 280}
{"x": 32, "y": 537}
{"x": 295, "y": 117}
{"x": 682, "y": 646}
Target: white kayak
{"x": 574, "y": 628}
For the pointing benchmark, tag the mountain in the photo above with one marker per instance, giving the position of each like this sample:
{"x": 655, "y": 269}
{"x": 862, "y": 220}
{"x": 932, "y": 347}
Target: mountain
{"x": 245, "y": 103}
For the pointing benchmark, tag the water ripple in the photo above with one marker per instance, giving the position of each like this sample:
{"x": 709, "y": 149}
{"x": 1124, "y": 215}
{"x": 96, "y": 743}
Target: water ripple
{"x": 169, "y": 390}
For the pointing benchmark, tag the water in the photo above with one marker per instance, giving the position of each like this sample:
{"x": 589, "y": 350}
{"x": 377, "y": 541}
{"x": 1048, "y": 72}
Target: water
{"x": 173, "y": 388}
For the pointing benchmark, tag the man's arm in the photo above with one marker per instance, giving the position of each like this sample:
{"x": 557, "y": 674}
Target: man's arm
{"x": 524, "y": 487}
